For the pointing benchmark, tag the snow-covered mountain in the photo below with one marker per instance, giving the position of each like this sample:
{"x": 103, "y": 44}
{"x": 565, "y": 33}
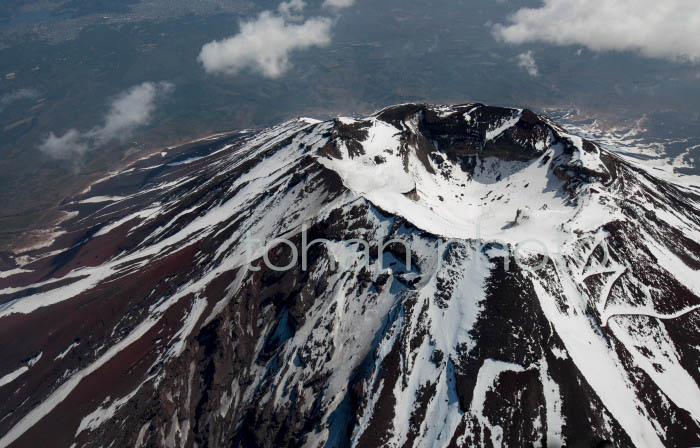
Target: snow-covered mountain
{"x": 539, "y": 291}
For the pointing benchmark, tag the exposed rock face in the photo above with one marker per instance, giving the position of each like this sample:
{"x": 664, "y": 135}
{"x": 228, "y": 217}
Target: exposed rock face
{"x": 565, "y": 311}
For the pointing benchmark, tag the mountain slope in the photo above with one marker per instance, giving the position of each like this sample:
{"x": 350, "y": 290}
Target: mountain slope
{"x": 545, "y": 293}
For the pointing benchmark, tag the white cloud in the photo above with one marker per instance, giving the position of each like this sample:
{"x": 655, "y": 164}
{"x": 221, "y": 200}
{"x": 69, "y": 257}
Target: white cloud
{"x": 527, "y": 61}
{"x": 661, "y": 29}
{"x": 286, "y": 8}
{"x": 264, "y": 44}
{"x": 338, "y": 3}
{"x": 9, "y": 98}
{"x": 128, "y": 111}
{"x": 63, "y": 147}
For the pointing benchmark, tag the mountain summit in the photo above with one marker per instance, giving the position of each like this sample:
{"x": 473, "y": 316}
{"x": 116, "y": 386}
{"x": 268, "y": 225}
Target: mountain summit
{"x": 453, "y": 276}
